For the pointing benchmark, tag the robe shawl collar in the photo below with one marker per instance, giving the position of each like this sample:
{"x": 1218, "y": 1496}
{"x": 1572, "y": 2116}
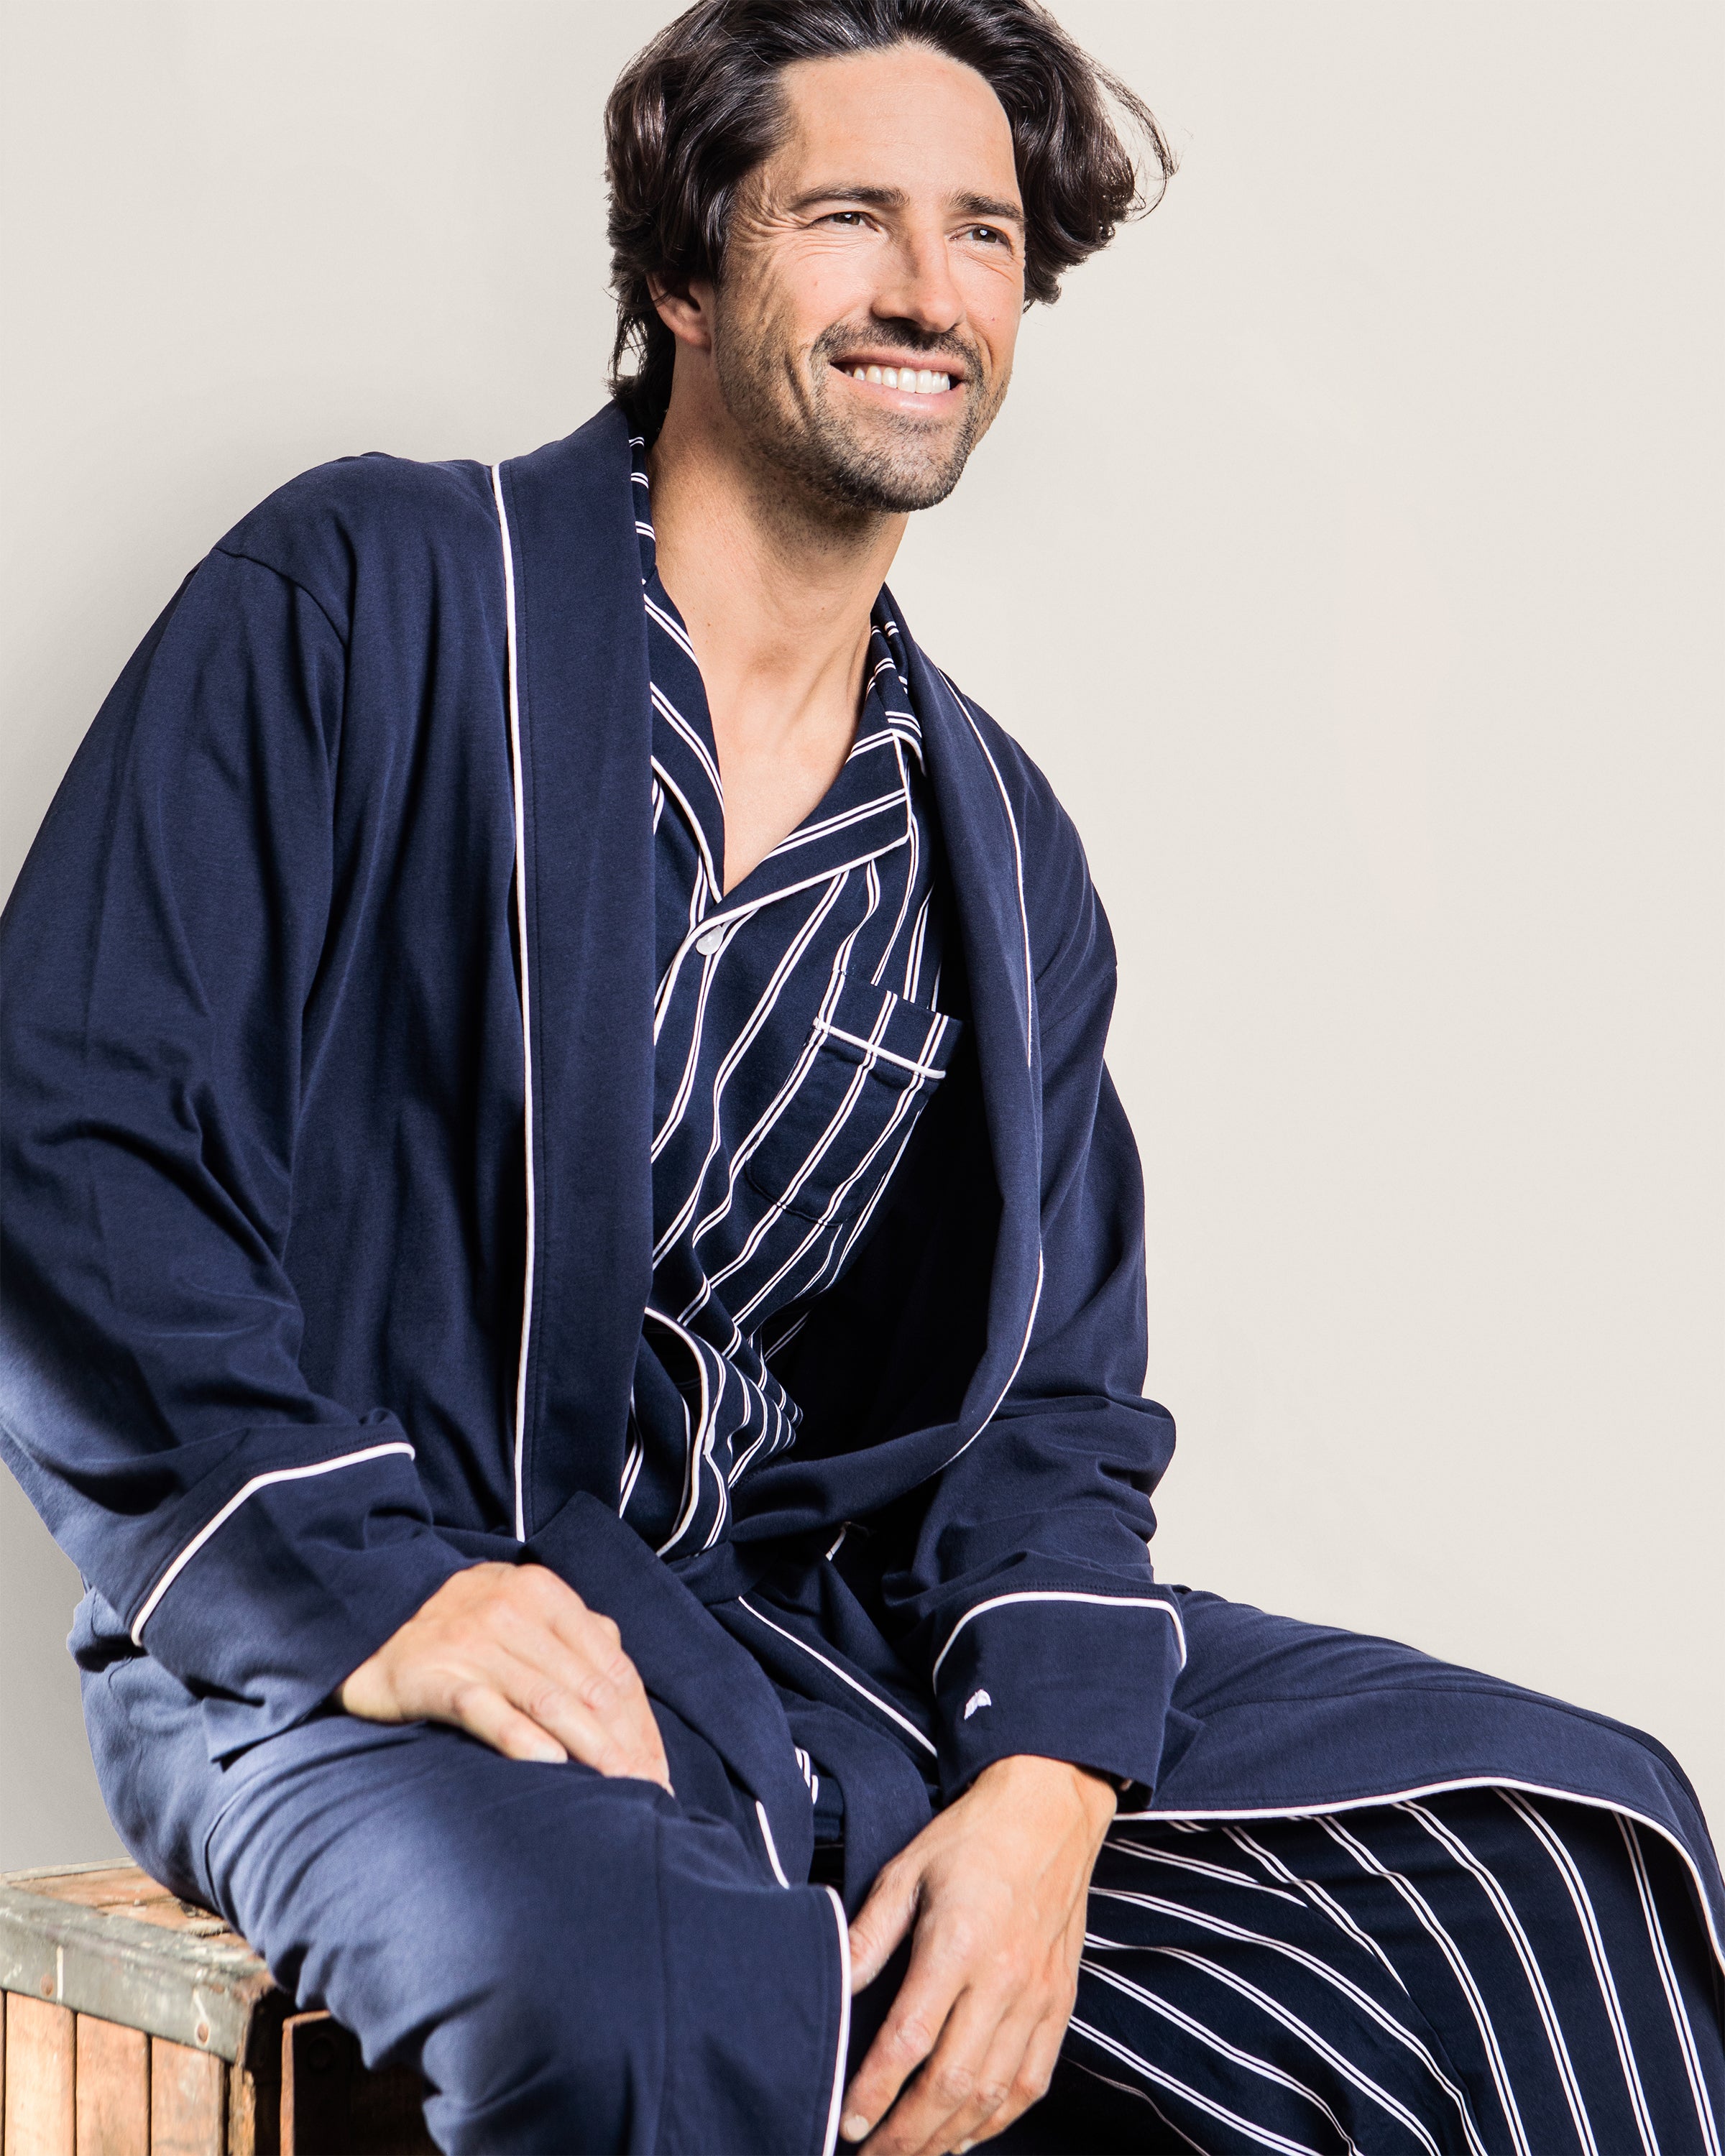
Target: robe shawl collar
{"x": 582, "y": 729}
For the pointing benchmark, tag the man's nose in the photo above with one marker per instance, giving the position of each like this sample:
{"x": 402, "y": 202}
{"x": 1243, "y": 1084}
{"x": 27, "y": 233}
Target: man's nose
{"x": 920, "y": 287}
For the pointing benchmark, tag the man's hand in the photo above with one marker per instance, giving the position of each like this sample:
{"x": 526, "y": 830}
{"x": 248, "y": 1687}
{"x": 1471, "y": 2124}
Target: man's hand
{"x": 509, "y": 1654}
{"x": 995, "y": 1887}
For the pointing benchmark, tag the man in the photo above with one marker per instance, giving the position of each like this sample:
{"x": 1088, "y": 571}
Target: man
{"x": 575, "y": 1284}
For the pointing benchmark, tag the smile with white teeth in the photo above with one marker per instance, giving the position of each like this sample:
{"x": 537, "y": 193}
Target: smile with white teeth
{"x": 919, "y": 381}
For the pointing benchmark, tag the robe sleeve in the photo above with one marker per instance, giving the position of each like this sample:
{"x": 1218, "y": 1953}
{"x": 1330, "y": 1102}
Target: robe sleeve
{"x": 160, "y": 949}
{"x": 1038, "y": 1615}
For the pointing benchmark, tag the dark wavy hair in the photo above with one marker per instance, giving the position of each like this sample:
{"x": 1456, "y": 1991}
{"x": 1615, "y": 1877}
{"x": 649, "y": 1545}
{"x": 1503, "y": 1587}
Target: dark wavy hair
{"x": 700, "y": 108}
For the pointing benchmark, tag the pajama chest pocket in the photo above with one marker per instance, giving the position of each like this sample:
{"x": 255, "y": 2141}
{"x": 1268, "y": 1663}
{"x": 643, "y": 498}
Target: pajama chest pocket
{"x": 867, "y": 1070}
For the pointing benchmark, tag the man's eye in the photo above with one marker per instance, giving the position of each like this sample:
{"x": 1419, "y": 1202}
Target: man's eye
{"x": 851, "y": 217}
{"x": 988, "y": 233}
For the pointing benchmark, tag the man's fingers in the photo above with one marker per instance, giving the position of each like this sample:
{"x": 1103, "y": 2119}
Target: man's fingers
{"x": 596, "y": 1638}
{"x": 948, "y": 2089}
{"x": 1036, "y": 2070}
{"x": 912, "y": 2029}
{"x": 588, "y": 1693}
{"x": 882, "y": 1922}
{"x": 972, "y": 2037}
{"x": 484, "y": 1712}
{"x": 551, "y": 1605}
{"x": 513, "y": 1655}
{"x": 547, "y": 1624}
{"x": 521, "y": 1713}
{"x": 969, "y": 2078}
{"x": 1015, "y": 2074}
{"x": 607, "y": 1697}
{"x": 623, "y": 1740}
{"x": 369, "y": 1691}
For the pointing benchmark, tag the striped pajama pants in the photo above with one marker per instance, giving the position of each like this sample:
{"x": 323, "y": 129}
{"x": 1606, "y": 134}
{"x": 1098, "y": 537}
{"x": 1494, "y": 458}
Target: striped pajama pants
{"x": 1479, "y": 1970}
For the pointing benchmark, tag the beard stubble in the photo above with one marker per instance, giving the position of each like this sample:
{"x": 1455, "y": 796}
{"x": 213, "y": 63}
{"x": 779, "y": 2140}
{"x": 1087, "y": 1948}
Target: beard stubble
{"x": 790, "y": 421}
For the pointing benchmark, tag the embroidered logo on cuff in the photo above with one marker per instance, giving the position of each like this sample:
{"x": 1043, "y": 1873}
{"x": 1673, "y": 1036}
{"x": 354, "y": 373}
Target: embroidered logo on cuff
{"x": 977, "y": 1699}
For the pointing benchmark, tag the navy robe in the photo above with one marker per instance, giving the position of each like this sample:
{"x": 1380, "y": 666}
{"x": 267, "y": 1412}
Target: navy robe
{"x": 326, "y": 1212}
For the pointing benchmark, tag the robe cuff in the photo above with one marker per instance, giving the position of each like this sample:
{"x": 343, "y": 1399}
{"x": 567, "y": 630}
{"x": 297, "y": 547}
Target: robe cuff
{"x": 1062, "y": 1674}
{"x": 287, "y": 1587}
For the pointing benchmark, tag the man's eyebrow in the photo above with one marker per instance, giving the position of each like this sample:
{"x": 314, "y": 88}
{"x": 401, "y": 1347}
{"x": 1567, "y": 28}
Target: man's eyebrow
{"x": 991, "y": 206}
{"x": 847, "y": 191}
{"x": 873, "y": 198}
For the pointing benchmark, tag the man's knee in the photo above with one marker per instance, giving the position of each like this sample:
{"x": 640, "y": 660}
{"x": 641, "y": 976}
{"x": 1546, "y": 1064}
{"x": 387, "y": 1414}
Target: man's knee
{"x": 494, "y": 1923}
{"x": 648, "y": 1992}
{"x": 544, "y": 2012}
{"x": 572, "y": 1962}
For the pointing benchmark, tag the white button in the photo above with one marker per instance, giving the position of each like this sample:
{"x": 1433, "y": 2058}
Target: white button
{"x": 707, "y": 944}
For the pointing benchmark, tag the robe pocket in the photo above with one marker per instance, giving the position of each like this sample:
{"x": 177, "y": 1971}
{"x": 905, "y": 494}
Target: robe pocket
{"x": 867, "y": 1071}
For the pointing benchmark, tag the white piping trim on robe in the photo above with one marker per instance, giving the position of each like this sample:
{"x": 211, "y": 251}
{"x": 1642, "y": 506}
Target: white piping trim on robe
{"x": 843, "y": 1677}
{"x": 771, "y": 1846}
{"x": 1437, "y": 1789}
{"x": 832, "y": 2138}
{"x": 248, "y": 1490}
{"x": 521, "y": 926}
{"x": 1053, "y": 1594}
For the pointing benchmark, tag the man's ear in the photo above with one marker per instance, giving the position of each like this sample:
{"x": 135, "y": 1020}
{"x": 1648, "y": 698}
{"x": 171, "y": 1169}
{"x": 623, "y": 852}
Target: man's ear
{"x": 686, "y": 311}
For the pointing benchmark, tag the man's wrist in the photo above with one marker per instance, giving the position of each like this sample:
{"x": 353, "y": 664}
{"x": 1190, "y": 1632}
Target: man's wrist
{"x": 1098, "y": 1794}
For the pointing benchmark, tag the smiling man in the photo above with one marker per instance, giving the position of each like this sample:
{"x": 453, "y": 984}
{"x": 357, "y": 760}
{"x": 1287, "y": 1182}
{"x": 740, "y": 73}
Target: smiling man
{"x": 575, "y": 1284}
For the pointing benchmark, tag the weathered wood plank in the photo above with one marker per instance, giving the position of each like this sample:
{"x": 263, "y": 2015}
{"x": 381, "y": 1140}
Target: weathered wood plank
{"x": 122, "y": 1890}
{"x": 254, "y": 2114}
{"x": 113, "y": 2097}
{"x": 207, "y": 1992}
{"x": 188, "y": 2092}
{"x": 70, "y": 1870}
{"x": 95, "y": 1886}
{"x": 41, "y": 2079}
{"x": 135, "y": 1963}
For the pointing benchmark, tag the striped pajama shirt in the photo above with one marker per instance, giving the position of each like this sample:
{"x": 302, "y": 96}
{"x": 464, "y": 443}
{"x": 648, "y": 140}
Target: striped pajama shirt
{"x": 797, "y": 1039}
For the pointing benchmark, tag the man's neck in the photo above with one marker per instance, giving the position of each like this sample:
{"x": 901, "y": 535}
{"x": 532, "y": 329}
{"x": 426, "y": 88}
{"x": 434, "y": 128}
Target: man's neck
{"x": 776, "y": 589}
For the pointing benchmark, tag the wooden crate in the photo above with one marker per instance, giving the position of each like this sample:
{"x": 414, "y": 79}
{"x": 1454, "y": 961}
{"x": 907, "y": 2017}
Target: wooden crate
{"x": 134, "y": 2024}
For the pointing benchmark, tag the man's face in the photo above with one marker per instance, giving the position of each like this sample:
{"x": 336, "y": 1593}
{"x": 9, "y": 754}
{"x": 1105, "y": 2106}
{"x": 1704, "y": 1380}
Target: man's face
{"x": 885, "y": 235}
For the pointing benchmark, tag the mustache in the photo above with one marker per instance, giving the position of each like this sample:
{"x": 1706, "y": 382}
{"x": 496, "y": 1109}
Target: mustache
{"x": 901, "y": 335}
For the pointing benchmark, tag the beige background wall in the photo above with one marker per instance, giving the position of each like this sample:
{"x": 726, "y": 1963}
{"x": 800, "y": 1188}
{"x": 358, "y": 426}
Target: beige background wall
{"x": 1350, "y": 553}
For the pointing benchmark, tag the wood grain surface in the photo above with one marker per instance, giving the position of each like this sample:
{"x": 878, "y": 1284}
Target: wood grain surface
{"x": 41, "y": 2078}
{"x": 188, "y": 2092}
{"x": 113, "y": 2103}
